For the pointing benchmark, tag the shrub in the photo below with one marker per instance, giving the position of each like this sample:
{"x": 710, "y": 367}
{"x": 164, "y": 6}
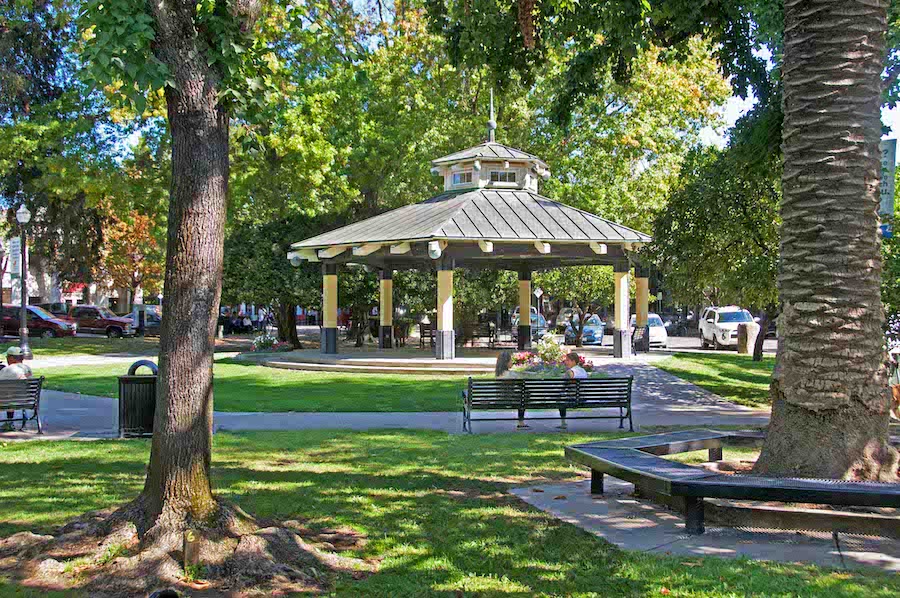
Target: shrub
{"x": 549, "y": 350}
{"x": 266, "y": 343}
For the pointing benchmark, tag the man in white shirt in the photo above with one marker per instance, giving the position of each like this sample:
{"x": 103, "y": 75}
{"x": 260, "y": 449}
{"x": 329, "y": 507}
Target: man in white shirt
{"x": 15, "y": 370}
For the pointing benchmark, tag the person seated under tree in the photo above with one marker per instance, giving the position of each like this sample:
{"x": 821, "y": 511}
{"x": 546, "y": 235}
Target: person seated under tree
{"x": 16, "y": 369}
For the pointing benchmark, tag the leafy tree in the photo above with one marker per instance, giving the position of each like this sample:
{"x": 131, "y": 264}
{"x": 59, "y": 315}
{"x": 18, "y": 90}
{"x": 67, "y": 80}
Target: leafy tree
{"x": 210, "y": 64}
{"x": 133, "y": 256}
{"x": 829, "y": 392}
{"x": 56, "y": 144}
{"x": 716, "y": 242}
{"x": 256, "y": 271}
{"x": 587, "y": 287}
{"x": 475, "y": 291}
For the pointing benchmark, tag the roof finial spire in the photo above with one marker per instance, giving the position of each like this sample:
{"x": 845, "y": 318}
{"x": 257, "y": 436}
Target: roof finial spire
{"x": 492, "y": 124}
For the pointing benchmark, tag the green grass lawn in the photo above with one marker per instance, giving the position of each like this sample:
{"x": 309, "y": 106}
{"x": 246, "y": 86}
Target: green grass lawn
{"x": 240, "y": 386}
{"x": 734, "y": 377}
{"x": 434, "y": 507}
{"x": 61, "y": 347}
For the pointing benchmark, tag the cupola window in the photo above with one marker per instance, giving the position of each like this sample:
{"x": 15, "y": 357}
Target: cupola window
{"x": 503, "y": 176}
{"x": 462, "y": 178}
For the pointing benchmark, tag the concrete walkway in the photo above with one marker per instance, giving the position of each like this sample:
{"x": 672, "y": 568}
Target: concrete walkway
{"x": 659, "y": 399}
{"x": 617, "y": 516}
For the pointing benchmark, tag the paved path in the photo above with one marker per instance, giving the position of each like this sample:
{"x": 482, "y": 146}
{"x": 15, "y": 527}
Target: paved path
{"x": 616, "y": 515}
{"x": 659, "y": 399}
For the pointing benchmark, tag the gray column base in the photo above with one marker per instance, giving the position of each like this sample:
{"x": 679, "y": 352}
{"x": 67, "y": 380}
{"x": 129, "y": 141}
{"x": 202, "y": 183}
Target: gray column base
{"x": 386, "y": 337}
{"x": 444, "y": 344}
{"x": 329, "y": 341}
{"x": 524, "y": 337}
{"x": 641, "y": 341}
{"x": 622, "y": 343}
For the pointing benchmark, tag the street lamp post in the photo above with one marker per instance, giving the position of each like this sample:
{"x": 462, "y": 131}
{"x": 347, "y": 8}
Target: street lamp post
{"x": 23, "y": 216}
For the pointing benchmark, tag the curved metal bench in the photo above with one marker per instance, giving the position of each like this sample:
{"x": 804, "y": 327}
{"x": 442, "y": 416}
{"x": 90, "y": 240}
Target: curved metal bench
{"x": 637, "y": 460}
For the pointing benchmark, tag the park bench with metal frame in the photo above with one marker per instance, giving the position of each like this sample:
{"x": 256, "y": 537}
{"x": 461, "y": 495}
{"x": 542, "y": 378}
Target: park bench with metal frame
{"x": 426, "y": 333}
{"x": 637, "y": 460}
{"x": 524, "y": 394}
{"x": 21, "y": 395}
{"x": 483, "y": 330}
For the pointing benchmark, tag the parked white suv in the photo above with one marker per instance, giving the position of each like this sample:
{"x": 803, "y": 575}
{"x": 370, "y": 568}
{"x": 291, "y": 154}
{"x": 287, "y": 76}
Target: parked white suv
{"x": 718, "y": 325}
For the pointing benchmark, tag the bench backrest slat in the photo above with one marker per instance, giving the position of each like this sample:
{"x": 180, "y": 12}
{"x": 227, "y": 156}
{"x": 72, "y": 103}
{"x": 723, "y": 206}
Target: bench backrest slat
{"x": 20, "y": 394}
{"x": 549, "y": 392}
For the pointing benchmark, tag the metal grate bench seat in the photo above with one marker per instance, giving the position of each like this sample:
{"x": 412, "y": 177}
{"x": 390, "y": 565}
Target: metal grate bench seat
{"x": 637, "y": 460}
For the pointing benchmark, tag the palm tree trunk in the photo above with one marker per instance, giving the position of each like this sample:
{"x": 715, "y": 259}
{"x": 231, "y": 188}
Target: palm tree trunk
{"x": 829, "y": 389}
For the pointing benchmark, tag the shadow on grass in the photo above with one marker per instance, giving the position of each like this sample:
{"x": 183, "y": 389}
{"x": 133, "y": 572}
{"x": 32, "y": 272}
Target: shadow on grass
{"x": 435, "y": 509}
{"x": 736, "y": 378}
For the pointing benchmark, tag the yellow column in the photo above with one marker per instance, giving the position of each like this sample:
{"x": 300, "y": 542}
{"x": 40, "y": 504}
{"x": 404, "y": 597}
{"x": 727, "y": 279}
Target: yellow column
{"x": 445, "y": 300}
{"x": 524, "y": 331}
{"x": 641, "y": 300}
{"x": 525, "y": 302}
{"x": 386, "y": 303}
{"x": 329, "y": 300}
{"x": 329, "y": 308}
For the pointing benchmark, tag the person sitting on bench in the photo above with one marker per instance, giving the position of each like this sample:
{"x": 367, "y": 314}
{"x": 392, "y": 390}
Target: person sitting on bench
{"x": 573, "y": 366}
{"x": 16, "y": 370}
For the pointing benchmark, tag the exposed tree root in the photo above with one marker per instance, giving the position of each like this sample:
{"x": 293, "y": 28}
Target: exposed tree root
{"x": 119, "y": 554}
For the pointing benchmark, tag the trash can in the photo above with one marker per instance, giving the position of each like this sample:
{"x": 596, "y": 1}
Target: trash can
{"x": 137, "y": 401}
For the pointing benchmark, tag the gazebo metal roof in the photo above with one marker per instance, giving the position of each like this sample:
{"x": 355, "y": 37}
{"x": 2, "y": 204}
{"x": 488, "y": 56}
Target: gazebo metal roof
{"x": 489, "y": 150}
{"x": 480, "y": 215}
{"x": 478, "y": 228}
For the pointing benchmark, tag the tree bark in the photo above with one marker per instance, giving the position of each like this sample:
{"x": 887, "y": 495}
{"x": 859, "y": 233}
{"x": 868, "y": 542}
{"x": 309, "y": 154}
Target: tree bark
{"x": 829, "y": 389}
{"x": 761, "y": 337}
{"x": 286, "y": 323}
{"x": 177, "y": 490}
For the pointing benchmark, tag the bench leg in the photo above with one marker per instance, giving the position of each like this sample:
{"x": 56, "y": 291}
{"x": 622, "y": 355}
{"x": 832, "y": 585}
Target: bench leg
{"x": 562, "y": 417}
{"x": 596, "y": 482}
{"x": 621, "y": 419}
{"x": 693, "y": 515}
{"x": 715, "y": 454}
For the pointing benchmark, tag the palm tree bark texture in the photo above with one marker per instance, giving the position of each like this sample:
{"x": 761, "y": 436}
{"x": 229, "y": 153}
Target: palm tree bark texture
{"x": 829, "y": 390}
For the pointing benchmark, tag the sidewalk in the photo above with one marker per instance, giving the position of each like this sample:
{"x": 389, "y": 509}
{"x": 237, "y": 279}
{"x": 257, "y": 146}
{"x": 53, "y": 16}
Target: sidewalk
{"x": 659, "y": 399}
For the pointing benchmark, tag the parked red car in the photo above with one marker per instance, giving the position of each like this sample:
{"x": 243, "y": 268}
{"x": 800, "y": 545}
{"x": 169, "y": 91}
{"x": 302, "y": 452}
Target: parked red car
{"x": 40, "y": 322}
{"x": 100, "y": 320}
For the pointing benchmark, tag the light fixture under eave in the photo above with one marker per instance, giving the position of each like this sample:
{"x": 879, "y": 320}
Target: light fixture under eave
{"x": 542, "y": 247}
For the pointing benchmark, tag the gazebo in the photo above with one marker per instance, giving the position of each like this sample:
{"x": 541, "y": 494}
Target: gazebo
{"x": 490, "y": 215}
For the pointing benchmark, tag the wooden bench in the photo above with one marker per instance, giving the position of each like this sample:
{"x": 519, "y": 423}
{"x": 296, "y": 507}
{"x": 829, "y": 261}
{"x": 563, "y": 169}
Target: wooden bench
{"x": 523, "y": 395}
{"x": 637, "y": 460}
{"x": 21, "y": 395}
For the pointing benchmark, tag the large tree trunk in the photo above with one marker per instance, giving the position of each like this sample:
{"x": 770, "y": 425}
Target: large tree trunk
{"x": 177, "y": 490}
{"x": 829, "y": 389}
{"x": 286, "y": 322}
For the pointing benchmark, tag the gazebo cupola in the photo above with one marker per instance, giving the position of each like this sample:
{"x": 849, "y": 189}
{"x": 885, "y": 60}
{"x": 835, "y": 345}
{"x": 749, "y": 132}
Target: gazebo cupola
{"x": 491, "y": 165}
{"x": 489, "y": 215}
